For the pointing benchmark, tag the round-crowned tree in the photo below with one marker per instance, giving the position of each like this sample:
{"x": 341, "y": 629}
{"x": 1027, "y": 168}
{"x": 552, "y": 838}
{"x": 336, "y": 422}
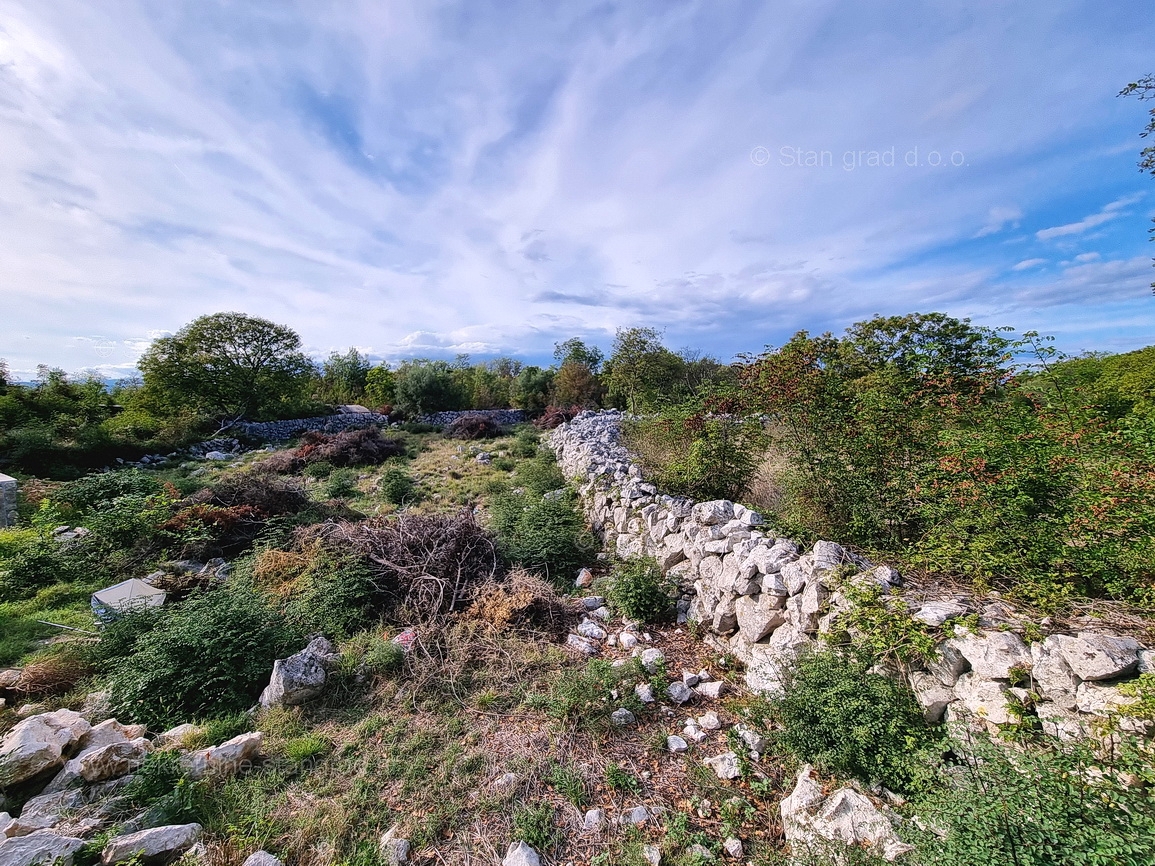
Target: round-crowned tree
{"x": 229, "y": 366}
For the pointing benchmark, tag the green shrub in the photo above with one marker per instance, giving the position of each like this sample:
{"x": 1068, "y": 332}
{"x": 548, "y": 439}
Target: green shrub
{"x": 534, "y": 826}
{"x": 836, "y": 714}
{"x": 209, "y": 656}
{"x": 526, "y": 443}
{"x": 96, "y": 490}
{"x": 397, "y": 486}
{"x": 542, "y": 534}
{"x": 223, "y": 728}
{"x": 504, "y": 464}
{"x": 320, "y": 469}
{"x": 384, "y": 658}
{"x": 539, "y": 475}
{"x": 569, "y": 783}
{"x": 341, "y": 483}
{"x": 638, "y": 590}
{"x": 305, "y": 748}
{"x": 160, "y": 786}
{"x": 36, "y": 564}
{"x": 622, "y": 781}
{"x": 585, "y": 696}
{"x": 1053, "y": 802}
{"x": 335, "y": 596}
{"x": 701, "y": 449}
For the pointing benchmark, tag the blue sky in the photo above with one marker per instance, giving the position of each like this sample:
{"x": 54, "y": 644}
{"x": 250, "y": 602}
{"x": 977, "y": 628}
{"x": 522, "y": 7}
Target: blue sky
{"x": 430, "y": 178}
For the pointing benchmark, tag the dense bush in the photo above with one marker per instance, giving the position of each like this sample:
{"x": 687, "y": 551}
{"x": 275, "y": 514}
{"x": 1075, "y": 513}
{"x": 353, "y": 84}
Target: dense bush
{"x": 335, "y": 595}
{"x": 36, "y": 564}
{"x": 341, "y": 483}
{"x": 703, "y": 449}
{"x": 835, "y": 713}
{"x": 914, "y": 434}
{"x": 546, "y": 534}
{"x": 637, "y": 589}
{"x": 208, "y": 656}
{"x": 397, "y": 486}
{"x": 1052, "y": 803}
{"x": 100, "y": 488}
{"x": 860, "y": 417}
{"x": 539, "y": 475}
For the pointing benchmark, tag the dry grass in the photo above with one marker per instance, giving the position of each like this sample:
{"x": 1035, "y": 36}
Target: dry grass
{"x": 54, "y": 673}
{"x": 523, "y": 600}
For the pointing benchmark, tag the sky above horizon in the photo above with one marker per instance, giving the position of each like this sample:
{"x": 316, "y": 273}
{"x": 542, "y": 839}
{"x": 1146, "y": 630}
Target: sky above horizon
{"x": 434, "y": 178}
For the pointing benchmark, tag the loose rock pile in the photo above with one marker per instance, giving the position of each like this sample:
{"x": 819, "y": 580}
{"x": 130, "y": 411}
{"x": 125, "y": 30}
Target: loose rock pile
{"x": 70, "y": 773}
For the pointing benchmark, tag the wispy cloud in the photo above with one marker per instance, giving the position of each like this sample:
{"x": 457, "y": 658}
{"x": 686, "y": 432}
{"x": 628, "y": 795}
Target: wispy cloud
{"x": 1028, "y": 264}
{"x": 999, "y": 218}
{"x": 1111, "y": 211}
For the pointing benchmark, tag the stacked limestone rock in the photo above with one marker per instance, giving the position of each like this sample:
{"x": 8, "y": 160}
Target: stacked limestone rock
{"x": 69, "y": 772}
{"x": 764, "y": 600}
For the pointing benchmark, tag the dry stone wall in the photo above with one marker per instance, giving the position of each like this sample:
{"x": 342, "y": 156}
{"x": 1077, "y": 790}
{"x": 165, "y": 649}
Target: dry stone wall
{"x": 764, "y": 599}
{"x": 7, "y": 501}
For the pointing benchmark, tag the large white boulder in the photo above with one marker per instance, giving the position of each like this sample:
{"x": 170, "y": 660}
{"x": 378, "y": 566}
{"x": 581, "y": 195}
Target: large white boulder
{"x": 992, "y": 655}
{"x": 812, "y": 819}
{"x": 1052, "y": 675}
{"x": 153, "y": 843}
{"x": 759, "y": 615}
{"x": 38, "y": 744}
{"x": 985, "y": 699}
{"x": 42, "y": 848}
{"x": 229, "y": 758}
{"x": 520, "y": 854}
{"x": 300, "y": 677}
{"x": 714, "y": 513}
{"x": 1098, "y": 656}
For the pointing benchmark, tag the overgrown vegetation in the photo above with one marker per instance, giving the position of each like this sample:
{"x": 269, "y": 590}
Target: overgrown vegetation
{"x": 839, "y": 715}
{"x": 210, "y": 655}
{"x": 637, "y": 589}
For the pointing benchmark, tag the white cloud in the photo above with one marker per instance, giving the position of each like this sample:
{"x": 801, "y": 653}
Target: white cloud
{"x": 1111, "y": 211}
{"x": 999, "y": 218}
{"x": 1027, "y": 264}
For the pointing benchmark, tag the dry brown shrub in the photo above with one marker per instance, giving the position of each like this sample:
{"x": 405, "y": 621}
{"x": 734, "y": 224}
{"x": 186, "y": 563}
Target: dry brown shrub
{"x": 54, "y": 674}
{"x": 279, "y": 570}
{"x": 555, "y": 416}
{"x": 269, "y": 496}
{"x": 473, "y": 427}
{"x": 280, "y": 463}
{"x": 521, "y": 601}
{"x": 349, "y": 448}
{"x": 427, "y": 564}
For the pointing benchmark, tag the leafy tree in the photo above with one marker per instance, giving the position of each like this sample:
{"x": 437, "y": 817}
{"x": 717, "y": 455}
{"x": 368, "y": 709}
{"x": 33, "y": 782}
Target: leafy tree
{"x": 380, "y": 386}
{"x": 574, "y": 350}
{"x": 343, "y": 377}
{"x": 229, "y": 366}
{"x": 1144, "y": 89}
{"x": 861, "y": 417}
{"x": 641, "y": 372}
{"x": 576, "y": 382}
{"x": 703, "y": 448}
{"x": 424, "y": 386}
{"x": 531, "y": 389}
